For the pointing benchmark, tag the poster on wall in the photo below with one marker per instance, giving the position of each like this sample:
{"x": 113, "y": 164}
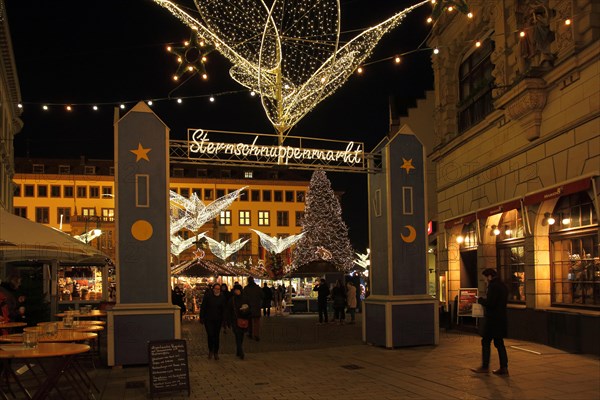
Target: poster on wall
{"x": 466, "y": 298}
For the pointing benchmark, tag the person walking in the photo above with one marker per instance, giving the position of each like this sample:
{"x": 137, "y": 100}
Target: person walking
{"x": 225, "y": 292}
{"x": 254, "y": 295}
{"x": 267, "y": 298}
{"x": 178, "y": 299}
{"x": 495, "y": 322}
{"x": 323, "y": 293}
{"x": 238, "y": 312}
{"x": 351, "y": 293}
{"x": 338, "y": 294}
{"x": 212, "y": 314}
{"x": 278, "y": 299}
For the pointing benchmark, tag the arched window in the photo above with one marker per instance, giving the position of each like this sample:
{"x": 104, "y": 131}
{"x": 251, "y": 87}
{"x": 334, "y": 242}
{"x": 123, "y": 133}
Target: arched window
{"x": 510, "y": 252}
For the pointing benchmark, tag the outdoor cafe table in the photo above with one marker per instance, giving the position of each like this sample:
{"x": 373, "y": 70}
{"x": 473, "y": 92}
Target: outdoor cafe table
{"x": 41, "y": 329}
{"x": 91, "y": 314}
{"x": 81, "y": 322}
{"x": 61, "y": 336}
{"x": 9, "y": 325}
{"x": 67, "y": 366}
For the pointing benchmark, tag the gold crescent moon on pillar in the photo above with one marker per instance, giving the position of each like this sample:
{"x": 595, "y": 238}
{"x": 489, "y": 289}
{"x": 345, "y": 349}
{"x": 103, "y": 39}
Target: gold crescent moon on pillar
{"x": 412, "y": 234}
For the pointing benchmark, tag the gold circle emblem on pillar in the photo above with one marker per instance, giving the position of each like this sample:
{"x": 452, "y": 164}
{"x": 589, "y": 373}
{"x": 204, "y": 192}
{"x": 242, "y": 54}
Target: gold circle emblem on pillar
{"x": 141, "y": 230}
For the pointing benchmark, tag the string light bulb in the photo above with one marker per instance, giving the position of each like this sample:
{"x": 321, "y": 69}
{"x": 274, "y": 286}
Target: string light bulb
{"x": 95, "y": 108}
{"x": 397, "y": 59}
{"x": 359, "y": 70}
{"x": 150, "y": 102}
{"x": 179, "y": 101}
{"x": 169, "y": 48}
{"x": 68, "y": 108}
{"x": 436, "y": 51}
{"x": 470, "y": 15}
{"x": 252, "y": 93}
{"x": 429, "y": 20}
{"x": 122, "y": 106}
{"x": 45, "y": 107}
{"x": 568, "y": 21}
{"x": 478, "y": 44}
{"x": 212, "y": 99}
{"x": 450, "y": 9}
{"x": 20, "y": 105}
{"x": 522, "y": 34}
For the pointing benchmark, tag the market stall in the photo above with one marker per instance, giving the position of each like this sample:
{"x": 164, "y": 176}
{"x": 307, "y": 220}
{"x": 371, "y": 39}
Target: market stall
{"x": 305, "y": 278}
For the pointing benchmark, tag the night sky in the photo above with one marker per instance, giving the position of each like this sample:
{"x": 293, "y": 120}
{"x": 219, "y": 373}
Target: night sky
{"x": 112, "y": 51}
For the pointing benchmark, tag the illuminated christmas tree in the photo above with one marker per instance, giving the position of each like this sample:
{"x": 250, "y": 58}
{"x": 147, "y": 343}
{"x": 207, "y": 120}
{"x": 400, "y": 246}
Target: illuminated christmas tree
{"x": 326, "y": 234}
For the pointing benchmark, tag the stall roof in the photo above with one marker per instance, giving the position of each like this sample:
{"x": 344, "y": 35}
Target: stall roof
{"x": 314, "y": 268}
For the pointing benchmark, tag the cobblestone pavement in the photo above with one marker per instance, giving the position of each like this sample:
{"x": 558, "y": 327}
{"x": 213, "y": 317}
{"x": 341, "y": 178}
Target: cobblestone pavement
{"x": 298, "y": 359}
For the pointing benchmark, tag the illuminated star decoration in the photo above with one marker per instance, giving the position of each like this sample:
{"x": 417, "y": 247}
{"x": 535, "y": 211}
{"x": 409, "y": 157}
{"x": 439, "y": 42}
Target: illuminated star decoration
{"x": 199, "y": 254}
{"x": 141, "y": 153}
{"x": 407, "y": 166}
{"x": 223, "y": 250}
{"x": 191, "y": 56}
{"x": 288, "y": 52}
{"x": 276, "y": 244}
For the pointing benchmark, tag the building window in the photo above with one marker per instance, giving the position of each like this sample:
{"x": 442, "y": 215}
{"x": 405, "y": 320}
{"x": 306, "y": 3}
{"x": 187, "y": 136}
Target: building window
{"x": 511, "y": 268}
{"x": 174, "y": 190}
{"x": 88, "y": 212}
{"x": 220, "y": 193}
{"x": 469, "y": 237}
{"x": 247, "y": 249}
{"x": 476, "y": 83}
{"x": 266, "y": 195}
{"x": 42, "y": 190}
{"x": 244, "y": 195}
{"x": 225, "y": 218}
{"x": 177, "y": 172}
{"x": 283, "y": 218}
{"x": 107, "y": 191}
{"x": 21, "y": 211}
{"x": 63, "y": 215}
{"x": 226, "y": 173}
{"x": 208, "y": 194}
{"x": 89, "y": 170}
{"x": 289, "y": 196}
{"x": 82, "y": 192}
{"x": 244, "y": 218}
{"x": 264, "y": 218}
{"x": 255, "y": 195}
{"x": 42, "y": 215}
{"x": 278, "y": 195}
{"x": 201, "y": 173}
{"x": 68, "y": 191}
{"x": 185, "y": 192}
{"x": 225, "y": 237}
{"x": 55, "y": 191}
{"x": 300, "y": 195}
{"x": 108, "y": 214}
{"x": 29, "y": 191}
{"x": 38, "y": 168}
{"x": 64, "y": 169}
{"x": 198, "y": 193}
{"x": 111, "y": 171}
{"x": 574, "y": 253}
{"x": 94, "y": 192}
{"x": 299, "y": 217}
{"x": 248, "y": 174}
{"x": 17, "y": 190}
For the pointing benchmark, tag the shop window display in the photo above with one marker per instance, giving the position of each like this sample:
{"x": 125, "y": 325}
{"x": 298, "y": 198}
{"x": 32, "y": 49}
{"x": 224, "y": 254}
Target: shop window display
{"x": 511, "y": 254}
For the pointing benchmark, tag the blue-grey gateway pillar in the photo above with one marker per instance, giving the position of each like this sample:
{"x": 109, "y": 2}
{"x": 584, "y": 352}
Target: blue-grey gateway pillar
{"x": 143, "y": 311}
{"x": 399, "y": 312}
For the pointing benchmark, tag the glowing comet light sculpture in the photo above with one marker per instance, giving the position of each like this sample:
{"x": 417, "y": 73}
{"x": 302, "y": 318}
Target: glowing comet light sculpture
{"x": 223, "y": 250}
{"x": 179, "y": 245}
{"x": 276, "y": 244}
{"x": 289, "y": 52}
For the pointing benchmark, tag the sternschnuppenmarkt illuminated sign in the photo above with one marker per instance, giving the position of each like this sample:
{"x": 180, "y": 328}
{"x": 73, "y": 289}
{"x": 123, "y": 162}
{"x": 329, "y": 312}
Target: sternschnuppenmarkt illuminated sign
{"x": 237, "y": 148}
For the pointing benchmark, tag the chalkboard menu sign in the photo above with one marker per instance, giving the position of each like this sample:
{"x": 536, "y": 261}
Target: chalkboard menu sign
{"x": 168, "y": 366}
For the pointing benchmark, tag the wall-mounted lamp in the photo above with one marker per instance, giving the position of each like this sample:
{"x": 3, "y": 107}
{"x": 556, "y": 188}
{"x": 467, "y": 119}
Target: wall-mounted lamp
{"x": 549, "y": 218}
{"x": 566, "y": 221}
{"x": 507, "y": 230}
{"x": 460, "y": 239}
{"x": 495, "y": 230}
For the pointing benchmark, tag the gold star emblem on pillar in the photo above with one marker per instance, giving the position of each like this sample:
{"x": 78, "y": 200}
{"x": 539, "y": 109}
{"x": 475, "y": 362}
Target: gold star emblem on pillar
{"x": 407, "y": 166}
{"x": 141, "y": 153}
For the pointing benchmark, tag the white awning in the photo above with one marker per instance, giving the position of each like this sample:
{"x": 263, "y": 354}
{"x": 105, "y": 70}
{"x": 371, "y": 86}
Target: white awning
{"x": 24, "y": 240}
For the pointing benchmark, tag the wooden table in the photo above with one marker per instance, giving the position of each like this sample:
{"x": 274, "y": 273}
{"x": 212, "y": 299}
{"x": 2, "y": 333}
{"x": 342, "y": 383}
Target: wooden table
{"x": 67, "y": 366}
{"x": 61, "y": 336}
{"x": 81, "y": 322}
{"x": 91, "y": 314}
{"x": 8, "y": 325}
{"x": 41, "y": 329}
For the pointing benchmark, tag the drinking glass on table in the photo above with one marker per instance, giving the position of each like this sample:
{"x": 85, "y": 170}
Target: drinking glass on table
{"x": 51, "y": 329}
{"x": 68, "y": 321}
{"x": 30, "y": 340}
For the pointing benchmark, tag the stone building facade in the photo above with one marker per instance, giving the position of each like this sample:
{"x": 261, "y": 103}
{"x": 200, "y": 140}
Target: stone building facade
{"x": 517, "y": 157}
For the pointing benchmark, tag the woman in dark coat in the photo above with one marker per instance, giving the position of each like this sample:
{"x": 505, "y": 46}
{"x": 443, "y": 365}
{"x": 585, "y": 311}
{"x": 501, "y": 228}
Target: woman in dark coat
{"x": 495, "y": 322}
{"x": 212, "y": 315}
{"x": 338, "y": 294}
{"x": 238, "y": 308}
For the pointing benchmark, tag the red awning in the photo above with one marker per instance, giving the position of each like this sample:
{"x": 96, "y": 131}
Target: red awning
{"x": 500, "y": 208}
{"x": 465, "y": 219}
{"x": 557, "y": 191}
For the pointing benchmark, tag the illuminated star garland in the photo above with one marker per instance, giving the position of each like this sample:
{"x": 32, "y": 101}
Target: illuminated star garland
{"x": 288, "y": 52}
{"x": 191, "y": 56}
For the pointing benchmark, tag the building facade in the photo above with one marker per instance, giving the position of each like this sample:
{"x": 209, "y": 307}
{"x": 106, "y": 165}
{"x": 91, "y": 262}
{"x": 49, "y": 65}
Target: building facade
{"x": 77, "y": 196}
{"x": 10, "y": 100}
{"x": 517, "y": 158}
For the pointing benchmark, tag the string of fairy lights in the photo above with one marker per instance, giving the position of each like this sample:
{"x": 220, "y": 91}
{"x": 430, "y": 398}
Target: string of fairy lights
{"x": 192, "y": 56}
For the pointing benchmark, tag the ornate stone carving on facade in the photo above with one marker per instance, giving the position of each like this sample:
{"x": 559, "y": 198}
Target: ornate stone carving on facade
{"x": 533, "y": 18}
{"x": 525, "y": 103}
{"x": 564, "y": 44}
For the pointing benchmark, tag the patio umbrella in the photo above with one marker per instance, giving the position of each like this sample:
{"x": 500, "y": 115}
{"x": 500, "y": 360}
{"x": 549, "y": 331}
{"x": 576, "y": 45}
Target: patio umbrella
{"x": 24, "y": 240}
